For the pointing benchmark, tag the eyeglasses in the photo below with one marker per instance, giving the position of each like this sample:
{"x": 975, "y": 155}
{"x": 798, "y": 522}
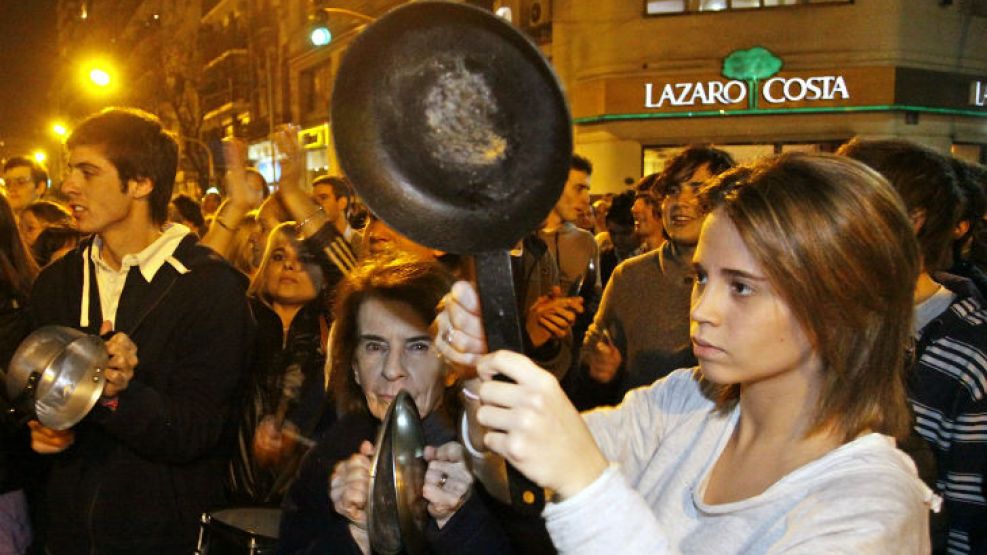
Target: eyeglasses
{"x": 18, "y": 181}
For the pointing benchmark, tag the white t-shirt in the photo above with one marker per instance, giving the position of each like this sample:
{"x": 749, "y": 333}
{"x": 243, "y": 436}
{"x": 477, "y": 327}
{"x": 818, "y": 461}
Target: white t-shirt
{"x": 863, "y": 497}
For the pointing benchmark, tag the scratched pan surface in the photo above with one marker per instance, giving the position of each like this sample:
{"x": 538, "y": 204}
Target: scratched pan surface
{"x": 454, "y": 130}
{"x": 451, "y": 126}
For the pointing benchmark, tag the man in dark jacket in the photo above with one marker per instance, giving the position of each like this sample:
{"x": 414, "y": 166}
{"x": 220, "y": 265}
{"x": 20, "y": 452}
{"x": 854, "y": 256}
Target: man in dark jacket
{"x": 136, "y": 473}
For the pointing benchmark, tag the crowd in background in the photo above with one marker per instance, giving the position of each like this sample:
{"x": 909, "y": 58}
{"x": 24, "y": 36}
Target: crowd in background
{"x": 314, "y": 308}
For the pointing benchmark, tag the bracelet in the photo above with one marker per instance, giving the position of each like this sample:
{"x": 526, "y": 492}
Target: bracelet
{"x": 307, "y": 219}
{"x": 223, "y": 225}
{"x": 110, "y": 402}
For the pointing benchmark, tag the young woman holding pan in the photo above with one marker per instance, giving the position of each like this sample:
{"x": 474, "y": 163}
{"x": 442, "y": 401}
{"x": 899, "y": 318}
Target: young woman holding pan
{"x": 782, "y": 439}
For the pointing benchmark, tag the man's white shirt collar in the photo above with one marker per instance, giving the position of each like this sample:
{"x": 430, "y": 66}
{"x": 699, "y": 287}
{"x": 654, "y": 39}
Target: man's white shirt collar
{"x": 152, "y": 257}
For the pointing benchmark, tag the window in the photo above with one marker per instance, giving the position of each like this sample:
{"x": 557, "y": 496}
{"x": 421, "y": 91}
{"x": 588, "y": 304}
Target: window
{"x": 665, "y": 7}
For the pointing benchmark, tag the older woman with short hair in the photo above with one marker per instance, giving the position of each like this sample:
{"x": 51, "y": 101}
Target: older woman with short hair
{"x": 381, "y": 345}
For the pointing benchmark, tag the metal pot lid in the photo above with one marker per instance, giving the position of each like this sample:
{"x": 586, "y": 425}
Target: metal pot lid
{"x": 396, "y": 509}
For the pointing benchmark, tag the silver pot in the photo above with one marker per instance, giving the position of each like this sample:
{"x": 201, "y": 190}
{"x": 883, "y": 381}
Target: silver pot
{"x": 64, "y": 366}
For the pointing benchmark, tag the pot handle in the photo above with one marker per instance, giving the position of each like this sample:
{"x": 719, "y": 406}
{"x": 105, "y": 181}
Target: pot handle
{"x": 495, "y": 282}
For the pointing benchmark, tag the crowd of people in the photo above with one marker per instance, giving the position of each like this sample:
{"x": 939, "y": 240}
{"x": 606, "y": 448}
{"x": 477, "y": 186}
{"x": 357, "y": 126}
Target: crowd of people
{"x": 788, "y": 355}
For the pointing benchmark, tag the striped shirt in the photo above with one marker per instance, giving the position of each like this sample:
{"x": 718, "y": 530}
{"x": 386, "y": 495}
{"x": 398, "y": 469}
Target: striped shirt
{"x": 948, "y": 392}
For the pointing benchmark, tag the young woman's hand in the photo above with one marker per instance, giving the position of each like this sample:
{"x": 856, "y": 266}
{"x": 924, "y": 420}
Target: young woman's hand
{"x": 244, "y": 193}
{"x": 533, "y": 425}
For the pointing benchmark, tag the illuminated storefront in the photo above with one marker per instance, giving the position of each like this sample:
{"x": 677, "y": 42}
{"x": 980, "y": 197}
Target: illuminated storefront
{"x": 754, "y": 107}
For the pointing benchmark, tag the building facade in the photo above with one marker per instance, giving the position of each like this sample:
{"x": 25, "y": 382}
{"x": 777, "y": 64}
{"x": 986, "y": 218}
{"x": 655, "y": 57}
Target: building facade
{"x": 643, "y": 78}
{"x": 758, "y": 78}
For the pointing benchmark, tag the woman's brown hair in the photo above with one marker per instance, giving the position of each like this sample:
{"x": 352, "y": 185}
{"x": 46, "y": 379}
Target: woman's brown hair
{"x": 836, "y": 242}
{"x": 17, "y": 267}
{"x": 418, "y": 283}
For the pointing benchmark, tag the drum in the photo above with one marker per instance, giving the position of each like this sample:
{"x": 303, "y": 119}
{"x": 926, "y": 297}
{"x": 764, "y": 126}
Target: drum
{"x": 239, "y": 531}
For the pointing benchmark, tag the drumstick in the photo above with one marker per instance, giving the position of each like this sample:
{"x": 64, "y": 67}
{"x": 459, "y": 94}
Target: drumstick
{"x": 292, "y": 434}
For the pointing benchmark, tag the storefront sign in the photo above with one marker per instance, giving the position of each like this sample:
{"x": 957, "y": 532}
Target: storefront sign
{"x": 695, "y": 94}
{"x": 776, "y": 90}
{"x": 753, "y": 82}
{"x": 754, "y": 75}
{"x": 828, "y": 87}
{"x": 978, "y": 93}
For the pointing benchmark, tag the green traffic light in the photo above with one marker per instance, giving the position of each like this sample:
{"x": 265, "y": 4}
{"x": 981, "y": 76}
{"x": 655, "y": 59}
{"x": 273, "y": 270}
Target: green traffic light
{"x": 321, "y": 36}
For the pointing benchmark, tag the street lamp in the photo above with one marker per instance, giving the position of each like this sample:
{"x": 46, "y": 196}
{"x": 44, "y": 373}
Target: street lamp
{"x": 98, "y": 77}
{"x": 59, "y": 130}
{"x": 321, "y": 35}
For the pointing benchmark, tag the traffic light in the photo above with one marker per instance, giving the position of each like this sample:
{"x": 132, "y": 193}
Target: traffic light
{"x": 319, "y": 22}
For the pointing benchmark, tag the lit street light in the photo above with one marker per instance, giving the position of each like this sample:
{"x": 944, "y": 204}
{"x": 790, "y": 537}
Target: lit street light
{"x": 40, "y": 156}
{"x": 59, "y": 130}
{"x": 99, "y": 77}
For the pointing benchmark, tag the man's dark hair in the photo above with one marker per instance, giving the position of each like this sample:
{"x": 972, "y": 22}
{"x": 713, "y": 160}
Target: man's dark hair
{"x": 685, "y": 163}
{"x": 38, "y": 171}
{"x": 50, "y": 212}
{"x": 620, "y": 209}
{"x": 652, "y": 201}
{"x": 971, "y": 179}
{"x": 927, "y": 184}
{"x": 581, "y": 163}
{"x": 53, "y": 239}
{"x": 138, "y": 146}
{"x": 340, "y": 186}
{"x": 190, "y": 210}
{"x": 646, "y": 184}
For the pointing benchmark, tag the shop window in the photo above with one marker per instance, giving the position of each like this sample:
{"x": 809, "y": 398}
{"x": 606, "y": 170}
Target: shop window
{"x": 665, "y": 7}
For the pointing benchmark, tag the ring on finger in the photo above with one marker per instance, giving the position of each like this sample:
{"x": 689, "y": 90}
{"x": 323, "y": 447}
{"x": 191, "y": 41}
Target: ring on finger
{"x": 447, "y": 336}
{"x": 443, "y": 479}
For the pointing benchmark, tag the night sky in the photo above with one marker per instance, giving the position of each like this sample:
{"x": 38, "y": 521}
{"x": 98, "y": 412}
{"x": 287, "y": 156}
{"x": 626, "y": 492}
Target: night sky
{"x": 27, "y": 56}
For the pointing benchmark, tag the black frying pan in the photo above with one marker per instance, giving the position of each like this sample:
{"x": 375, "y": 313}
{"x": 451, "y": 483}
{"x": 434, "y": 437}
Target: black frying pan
{"x": 454, "y": 130}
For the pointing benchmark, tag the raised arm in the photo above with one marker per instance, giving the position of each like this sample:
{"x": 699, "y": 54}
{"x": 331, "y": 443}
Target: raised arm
{"x": 244, "y": 195}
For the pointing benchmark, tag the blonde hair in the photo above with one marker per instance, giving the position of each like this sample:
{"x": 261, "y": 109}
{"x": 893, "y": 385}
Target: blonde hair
{"x": 835, "y": 241}
{"x": 283, "y": 234}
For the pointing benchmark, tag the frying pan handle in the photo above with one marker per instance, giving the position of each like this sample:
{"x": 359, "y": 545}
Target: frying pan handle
{"x": 495, "y": 283}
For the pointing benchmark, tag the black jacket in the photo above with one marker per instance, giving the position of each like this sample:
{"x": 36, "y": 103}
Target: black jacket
{"x": 287, "y": 381}
{"x": 310, "y": 525}
{"x": 15, "y": 450}
{"x": 137, "y": 479}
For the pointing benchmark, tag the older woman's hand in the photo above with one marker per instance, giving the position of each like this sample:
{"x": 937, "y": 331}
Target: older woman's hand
{"x": 533, "y": 425}
{"x": 460, "y": 337}
{"x": 350, "y": 485}
{"x": 448, "y": 482}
